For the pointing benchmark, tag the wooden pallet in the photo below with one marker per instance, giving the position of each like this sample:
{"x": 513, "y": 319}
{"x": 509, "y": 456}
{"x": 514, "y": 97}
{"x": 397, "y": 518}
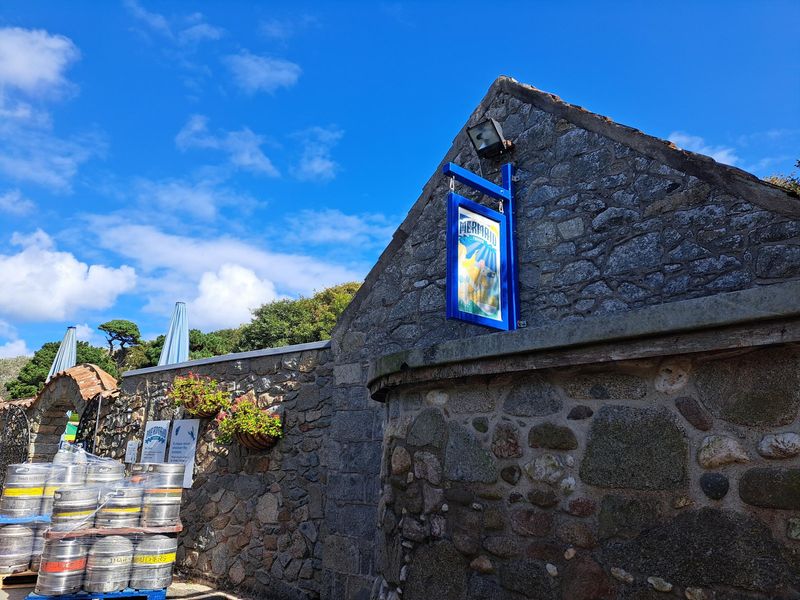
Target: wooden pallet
{"x": 18, "y": 580}
{"x": 60, "y": 535}
{"x": 128, "y": 594}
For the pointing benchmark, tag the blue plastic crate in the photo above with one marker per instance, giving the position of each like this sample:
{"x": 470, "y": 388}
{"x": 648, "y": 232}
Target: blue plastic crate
{"x": 129, "y": 594}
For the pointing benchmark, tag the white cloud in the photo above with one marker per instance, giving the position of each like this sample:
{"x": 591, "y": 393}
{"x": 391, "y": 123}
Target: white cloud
{"x": 34, "y": 61}
{"x": 316, "y": 163}
{"x": 694, "y": 143}
{"x": 226, "y": 297}
{"x": 283, "y": 29}
{"x": 33, "y": 66}
{"x": 37, "y": 156}
{"x": 14, "y": 348}
{"x": 190, "y": 257}
{"x": 14, "y": 203}
{"x": 183, "y": 31}
{"x": 178, "y": 198}
{"x": 42, "y": 283}
{"x": 243, "y": 146}
{"x": 253, "y": 73}
{"x": 332, "y": 226}
{"x": 86, "y": 333}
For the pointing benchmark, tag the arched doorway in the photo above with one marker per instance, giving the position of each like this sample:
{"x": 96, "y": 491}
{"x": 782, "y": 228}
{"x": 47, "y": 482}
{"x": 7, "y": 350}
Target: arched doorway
{"x": 69, "y": 390}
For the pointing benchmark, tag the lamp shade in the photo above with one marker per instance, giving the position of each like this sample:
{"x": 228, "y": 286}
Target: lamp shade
{"x": 487, "y": 137}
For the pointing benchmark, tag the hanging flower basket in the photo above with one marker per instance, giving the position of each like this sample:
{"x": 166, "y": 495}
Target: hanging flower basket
{"x": 257, "y": 441}
{"x": 199, "y": 396}
{"x": 249, "y": 424}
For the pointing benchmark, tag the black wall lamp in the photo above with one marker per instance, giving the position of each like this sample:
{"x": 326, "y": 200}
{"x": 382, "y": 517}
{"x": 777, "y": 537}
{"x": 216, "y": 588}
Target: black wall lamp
{"x": 487, "y": 137}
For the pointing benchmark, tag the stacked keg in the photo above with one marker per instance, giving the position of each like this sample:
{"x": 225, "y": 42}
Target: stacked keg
{"x": 62, "y": 476}
{"x": 108, "y": 568}
{"x": 16, "y": 545}
{"x": 62, "y": 566}
{"x": 38, "y": 545}
{"x": 153, "y": 560}
{"x": 23, "y": 490}
{"x": 105, "y": 473}
{"x": 162, "y": 495}
{"x": 74, "y": 508}
{"x": 121, "y": 507}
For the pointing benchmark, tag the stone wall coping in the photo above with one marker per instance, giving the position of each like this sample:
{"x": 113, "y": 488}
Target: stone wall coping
{"x": 231, "y": 357}
{"x": 753, "y": 305}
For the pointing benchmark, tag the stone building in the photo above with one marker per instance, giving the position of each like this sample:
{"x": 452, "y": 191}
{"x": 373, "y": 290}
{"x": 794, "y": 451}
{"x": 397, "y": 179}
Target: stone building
{"x": 638, "y": 439}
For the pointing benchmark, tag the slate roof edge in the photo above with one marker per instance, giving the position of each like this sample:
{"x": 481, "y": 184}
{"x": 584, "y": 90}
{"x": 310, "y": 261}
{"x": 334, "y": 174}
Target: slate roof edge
{"x": 735, "y": 180}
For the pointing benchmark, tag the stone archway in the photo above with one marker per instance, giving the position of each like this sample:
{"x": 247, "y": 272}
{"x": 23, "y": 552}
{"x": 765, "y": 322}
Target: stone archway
{"x": 68, "y": 390}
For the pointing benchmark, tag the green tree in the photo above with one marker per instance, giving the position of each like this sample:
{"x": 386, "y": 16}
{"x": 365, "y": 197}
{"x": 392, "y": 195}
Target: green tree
{"x": 285, "y": 322}
{"x": 122, "y": 332}
{"x": 789, "y": 182}
{"x": 32, "y": 376}
{"x": 201, "y": 345}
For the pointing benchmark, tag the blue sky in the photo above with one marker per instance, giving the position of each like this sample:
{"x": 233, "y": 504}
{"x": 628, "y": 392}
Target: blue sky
{"x": 227, "y": 154}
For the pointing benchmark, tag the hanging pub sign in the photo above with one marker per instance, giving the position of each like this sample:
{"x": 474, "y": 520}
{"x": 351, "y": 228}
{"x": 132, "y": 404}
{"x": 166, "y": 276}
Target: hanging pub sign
{"x": 481, "y": 274}
{"x": 476, "y": 263}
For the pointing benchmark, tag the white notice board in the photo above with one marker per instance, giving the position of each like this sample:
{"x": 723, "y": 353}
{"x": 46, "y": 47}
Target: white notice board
{"x": 155, "y": 441}
{"x": 182, "y": 446}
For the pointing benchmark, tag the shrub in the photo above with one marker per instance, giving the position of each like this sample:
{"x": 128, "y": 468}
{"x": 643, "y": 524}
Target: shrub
{"x": 245, "y": 416}
{"x": 198, "y": 395}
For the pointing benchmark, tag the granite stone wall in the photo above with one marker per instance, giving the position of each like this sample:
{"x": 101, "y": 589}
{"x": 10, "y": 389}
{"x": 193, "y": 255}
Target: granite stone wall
{"x": 608, "y": 220}
{"x": 675, "y": 477}
{"x": 252, "y": 520}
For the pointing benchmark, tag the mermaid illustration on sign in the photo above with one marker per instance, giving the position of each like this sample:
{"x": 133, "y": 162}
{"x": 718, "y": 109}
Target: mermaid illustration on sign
{"x": 478, "y": 265}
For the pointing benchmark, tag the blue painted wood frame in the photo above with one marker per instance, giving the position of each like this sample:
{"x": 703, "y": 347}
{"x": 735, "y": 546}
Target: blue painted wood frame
{"x": 454, "y": 201}
{"x": 505, "y": 193}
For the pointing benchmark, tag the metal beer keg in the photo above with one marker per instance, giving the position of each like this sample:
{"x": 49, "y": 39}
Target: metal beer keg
{"x": 121, "y": 507}
{"x": 62, "y": 566}
{"x": 162, "y": 495}
{"x": 23, "y": 490}
{"x": 153, "y": 560}
{"x": 74, "y": 509}
{"x": 139, "y": 472}
{"x": 38, "y": 545}
{"x": 66, "y": 476}
{"x": 105, "y": 473}
{"x": 16, "y": 545}
{"x": 108, "y": 567}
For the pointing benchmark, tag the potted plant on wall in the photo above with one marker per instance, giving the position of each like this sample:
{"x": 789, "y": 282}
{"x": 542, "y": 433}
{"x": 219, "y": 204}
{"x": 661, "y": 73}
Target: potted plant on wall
{"x": 249, "y": 424}
{"x": 199, "y": 396}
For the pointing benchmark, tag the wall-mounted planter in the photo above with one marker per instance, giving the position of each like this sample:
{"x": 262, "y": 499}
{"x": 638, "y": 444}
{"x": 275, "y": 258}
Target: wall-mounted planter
{"x": 257, "y": 441}
{"x": 202, "y": 414}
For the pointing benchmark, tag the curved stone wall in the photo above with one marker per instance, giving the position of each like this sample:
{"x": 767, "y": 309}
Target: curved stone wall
{"x": 675, "y": 476}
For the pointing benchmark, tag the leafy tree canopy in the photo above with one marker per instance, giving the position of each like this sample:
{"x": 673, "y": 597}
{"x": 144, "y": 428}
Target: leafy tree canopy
{"x": 121, "y": 331}
{"x": 285, "y": 322}
{"x": 201, "y": 345}
{"x": 31, "y": 378}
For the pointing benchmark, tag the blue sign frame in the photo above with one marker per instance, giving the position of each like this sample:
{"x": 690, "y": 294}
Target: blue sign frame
{"x": 454, "y": 203}
{"x": 505, "y": 194}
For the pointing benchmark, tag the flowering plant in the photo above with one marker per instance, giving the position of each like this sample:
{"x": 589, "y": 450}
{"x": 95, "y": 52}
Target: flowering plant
{"x": 200, "y": 396}
{"x": 245, "y": 417}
